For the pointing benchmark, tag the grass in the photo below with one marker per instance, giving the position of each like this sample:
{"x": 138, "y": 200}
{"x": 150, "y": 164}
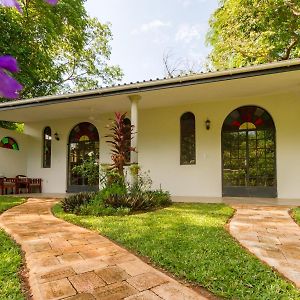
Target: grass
{"x": 10, "y": 258}
{"x": 296, "y": 214}
{"x": 189, "y": 240}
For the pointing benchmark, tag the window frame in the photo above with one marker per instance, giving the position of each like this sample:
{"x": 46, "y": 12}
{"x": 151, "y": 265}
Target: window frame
{"x": 46, "y": 161}
{"x": 187, "y": 133}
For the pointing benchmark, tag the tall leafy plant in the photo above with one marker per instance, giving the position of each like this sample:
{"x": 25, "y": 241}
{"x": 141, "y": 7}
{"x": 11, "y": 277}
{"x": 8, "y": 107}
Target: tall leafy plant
{"x": 120, "y": 136}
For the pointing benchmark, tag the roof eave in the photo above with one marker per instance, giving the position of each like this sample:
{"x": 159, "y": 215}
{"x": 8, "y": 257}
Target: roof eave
{"x": 180, "y": 81}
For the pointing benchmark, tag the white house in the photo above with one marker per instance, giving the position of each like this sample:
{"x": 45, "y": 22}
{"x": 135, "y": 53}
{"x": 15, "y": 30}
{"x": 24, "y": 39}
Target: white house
{"x": 230, "y": 133}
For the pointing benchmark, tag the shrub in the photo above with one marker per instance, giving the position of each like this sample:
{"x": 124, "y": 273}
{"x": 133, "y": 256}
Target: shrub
{"x": 98, "y": 208}
{"x": 145, "y": 200}
{"x": 161, "y": 198}
{"x": 118, "y": 198}
{"x": 72, "y": 203}
{"x": 134, "y": 197}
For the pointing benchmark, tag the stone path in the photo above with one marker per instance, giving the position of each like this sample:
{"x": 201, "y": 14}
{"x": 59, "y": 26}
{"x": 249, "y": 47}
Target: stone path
{"x": 69, "y": 262}
{"x": 272, "y": 235}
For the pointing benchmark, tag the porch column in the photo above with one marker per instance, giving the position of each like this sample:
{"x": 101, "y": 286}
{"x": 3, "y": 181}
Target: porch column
{"x": 134, "y": 99}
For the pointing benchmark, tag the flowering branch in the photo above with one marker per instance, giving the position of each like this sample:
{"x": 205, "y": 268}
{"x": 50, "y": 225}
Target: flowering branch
{"x": 9, "y": 87}
{"x": 16, "y": 4}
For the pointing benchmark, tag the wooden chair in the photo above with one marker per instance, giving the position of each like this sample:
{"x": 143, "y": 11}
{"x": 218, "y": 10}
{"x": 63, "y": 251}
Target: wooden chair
{"x": 8, "y": 183}
{"x": 35, "y": 183}
{"x": 22, "y": 183}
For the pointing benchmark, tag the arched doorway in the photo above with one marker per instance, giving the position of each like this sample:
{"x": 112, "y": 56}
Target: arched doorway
{"x": 249, "y": 153}
{"x": 83, "y": 141}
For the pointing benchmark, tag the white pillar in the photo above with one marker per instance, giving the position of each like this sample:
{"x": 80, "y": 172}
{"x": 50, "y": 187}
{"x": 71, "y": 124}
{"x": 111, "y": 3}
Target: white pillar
{"x": 134, "y": 121}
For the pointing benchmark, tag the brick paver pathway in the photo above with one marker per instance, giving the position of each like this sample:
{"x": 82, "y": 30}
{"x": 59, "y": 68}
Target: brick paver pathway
{"x": 272, "y": 235}
{"x": 69, "y": 262}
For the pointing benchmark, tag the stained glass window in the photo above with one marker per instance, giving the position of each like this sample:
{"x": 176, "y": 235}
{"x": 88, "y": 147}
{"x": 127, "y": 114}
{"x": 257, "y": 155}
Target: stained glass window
{"x": 127, "y": 124}
{"x": 9, "y": 143}
{"x": 246, "y": 115}
{"x": 187, "y": 139}
{"x": 84, "y": 132}
{"x": 47, "y": 141}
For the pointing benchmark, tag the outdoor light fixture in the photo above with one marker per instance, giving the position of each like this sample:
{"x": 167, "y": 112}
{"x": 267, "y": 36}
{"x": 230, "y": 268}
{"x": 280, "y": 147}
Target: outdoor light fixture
{"x": 207, "y": 124}
{"x": 56, "y": 136}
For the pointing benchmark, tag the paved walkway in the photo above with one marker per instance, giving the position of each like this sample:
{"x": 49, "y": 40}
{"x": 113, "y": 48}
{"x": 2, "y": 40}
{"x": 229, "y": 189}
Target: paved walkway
{"x": 69, "y": 262}
{"x": 272, "y": 235}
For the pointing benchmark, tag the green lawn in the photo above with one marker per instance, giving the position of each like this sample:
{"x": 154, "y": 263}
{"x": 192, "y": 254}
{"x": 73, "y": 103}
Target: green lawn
{"x": 296, "y": 214}
{"x": 190, "y": 241}
{"x": 10, "y": 258}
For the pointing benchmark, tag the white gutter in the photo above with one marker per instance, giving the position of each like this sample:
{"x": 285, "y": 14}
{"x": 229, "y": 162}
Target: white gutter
{"x": 153, "y": 83}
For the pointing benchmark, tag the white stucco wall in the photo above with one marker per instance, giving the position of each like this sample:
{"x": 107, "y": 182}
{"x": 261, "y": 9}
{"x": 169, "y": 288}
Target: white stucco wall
{"x": 55, "y": 178}
{"x": 13, "y": 162}
{"x": 159, "y": 144}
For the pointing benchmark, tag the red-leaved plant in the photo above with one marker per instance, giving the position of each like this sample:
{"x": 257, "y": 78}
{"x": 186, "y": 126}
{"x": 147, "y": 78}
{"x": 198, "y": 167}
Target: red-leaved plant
{"x": 120, "y": 137}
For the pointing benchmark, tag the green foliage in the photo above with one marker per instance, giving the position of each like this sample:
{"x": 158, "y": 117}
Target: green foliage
{"x": 244, "y": 32}
{"x": 72, "y": 203}
{"x": 296, "y": 214}
{"x": 91, "y": 204}
{"x": 89, "y": 169}
{"x": 7, "y": 202}
{"x": 11, "y": 262}
{"x": 19, "y": 127}
{"x": 190, "y": 241}
{"x": 117, "y": 198}
{"x": 137, "y": 197}
{"x": 97, "y": 207}
{"x": 59, "y": 48}
{"x": 10, "y": 257}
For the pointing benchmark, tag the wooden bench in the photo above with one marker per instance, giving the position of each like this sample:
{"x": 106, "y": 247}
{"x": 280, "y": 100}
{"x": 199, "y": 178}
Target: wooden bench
{"x": 35, "y": 183}
{"x": 8, "y": 183}
{"x": 20, "y": 184}
{"x": 29, "y": 184}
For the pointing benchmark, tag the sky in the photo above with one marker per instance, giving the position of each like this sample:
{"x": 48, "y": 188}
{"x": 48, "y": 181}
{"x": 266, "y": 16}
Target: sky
{"x": 146, "y": 30}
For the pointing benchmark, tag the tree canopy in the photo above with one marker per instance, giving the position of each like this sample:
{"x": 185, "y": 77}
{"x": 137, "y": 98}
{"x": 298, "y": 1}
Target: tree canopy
{"x": 244, "y": 32}
{"x": 58, "y": 48}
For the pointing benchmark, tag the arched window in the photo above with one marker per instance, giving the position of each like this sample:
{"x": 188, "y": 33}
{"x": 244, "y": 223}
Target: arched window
{"x": 187, "y": 139}
{"x": 249, "y": 153}
{"x": 127, "y": 124}
{"x": 83, "y": 145}
{"x": 9, "y": 143}
{"x": 47, "y": 139}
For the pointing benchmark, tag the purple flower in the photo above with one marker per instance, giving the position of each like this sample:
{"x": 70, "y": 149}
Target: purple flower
{"x": 16, "y": 4}
{"x": 9, "y": 87}
{"x": 11, "y": 3}
{"x": 52, "y": 2}
{"x": 9, "y": 63}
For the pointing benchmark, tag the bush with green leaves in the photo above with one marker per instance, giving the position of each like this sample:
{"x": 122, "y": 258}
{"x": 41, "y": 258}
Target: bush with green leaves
{"x": 97, "y": 207}
{"x": 118, "y": 198}
{"x": 71, "y": 204}
{"x": 137, "y": 196}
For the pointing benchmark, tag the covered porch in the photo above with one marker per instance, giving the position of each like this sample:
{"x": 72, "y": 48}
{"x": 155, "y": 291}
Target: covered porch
{"x": 155, "y": 108}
